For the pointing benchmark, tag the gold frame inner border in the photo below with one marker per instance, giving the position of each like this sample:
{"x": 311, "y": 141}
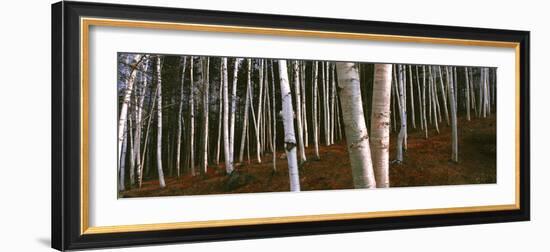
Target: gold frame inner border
{"x": 86, "y": 23}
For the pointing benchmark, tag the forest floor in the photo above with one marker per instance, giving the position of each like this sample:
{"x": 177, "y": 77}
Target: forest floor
{"x": 426, "y": 162}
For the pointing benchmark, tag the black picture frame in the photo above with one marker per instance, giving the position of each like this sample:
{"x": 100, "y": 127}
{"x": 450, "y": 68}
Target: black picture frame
{"x": 66, "y": 125}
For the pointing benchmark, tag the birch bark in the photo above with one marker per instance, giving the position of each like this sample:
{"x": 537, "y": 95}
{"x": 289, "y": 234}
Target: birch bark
{"x": 380, "y": 122}
{"x": 288, "y": 123}
{"x": 357, "y": 137}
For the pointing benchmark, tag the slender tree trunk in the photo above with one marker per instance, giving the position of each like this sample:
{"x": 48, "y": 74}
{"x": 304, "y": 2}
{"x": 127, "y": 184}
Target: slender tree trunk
{"x": 418, "y": 90}
{"x": 424, "y": 101}
{"x": 315, "y": 122}
{"x": 159, "y": 124}
{"x": 443, "y": 93}
{"x": 192, "y": 119}
{"x": 226, "y": 149}
{"x": 355, "y": 127}
{"x": 472, "y": 91}
{"x": 274, "y": 114}
{"x": 412, "y": 97}
{"x": 299, "y": 112}
{"x": 131, "y": 159}
{"x": 233, "y": 108}
{"x": 332, "y": 106}
{"x": 123, "y": 116}
{"x": 139, "y": 123}
{"x": 206, "y": 87}
{"x": 122, "y": 163}
{"x": 180, "y": 118}
{"x": 246, "y": 105}
{"x": 434, "y": 100}
{"x": 258, "y": 114}
{"x": 147, "y": 134}
{"x": 466, "y": 77}
{"x": 304, "y": 102}
{"x": 454, "y": 155}
{"x": 403, "y": 116}
{"x": 380, "y": 121}
{"x": 220, "y": 118}
{"x": 288, "y": 123}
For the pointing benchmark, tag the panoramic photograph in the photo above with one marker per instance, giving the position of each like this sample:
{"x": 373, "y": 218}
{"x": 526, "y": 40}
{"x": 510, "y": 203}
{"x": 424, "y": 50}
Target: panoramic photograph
{"x": 199, "y": 125}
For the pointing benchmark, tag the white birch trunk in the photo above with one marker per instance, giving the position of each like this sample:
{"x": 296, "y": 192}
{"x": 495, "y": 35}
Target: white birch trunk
{"x": 332, "y": 107}
{"x": 159, "y": 124}
{"x": 288, "y": 123}
{"x": 304, "y": 102}
{"x": 299, "y": 112}
{"x": 380, "y": 121}
{"x": 206, "y": 88}
{"x": 412, "y": 97}
{"x": 314, "y": 113}
{"x": 454, "y": 154}
{"x": 354, "y": 122}
{"x": 123, "y": 116}
{"x": 226, "y": 149}
{"x": 443, "y": 93}
{"x": 467, "y": 93}
{"x": 233, "y": 109}
{"x": 424, "y": 102}
{"x": 403, "y": 115}
{"x": 247, "y": 102}
{"x": 122, "y": 163}
{"x": 274, "y": 114}
{"x": 180, "y": 119}
{"x": 139, "y": 123}
{"x": 258, "y": 121}
{"x": 220, "y": 118}
{"x": 434, "y": 99}
{"x": 192, "y": 118}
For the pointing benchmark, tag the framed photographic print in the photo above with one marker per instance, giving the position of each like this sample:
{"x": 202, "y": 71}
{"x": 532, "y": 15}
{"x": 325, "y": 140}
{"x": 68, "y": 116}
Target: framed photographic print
{"x": 180, "y": 125}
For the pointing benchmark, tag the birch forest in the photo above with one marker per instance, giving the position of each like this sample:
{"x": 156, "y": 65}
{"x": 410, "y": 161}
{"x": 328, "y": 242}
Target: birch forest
{"x": 194, "y": 125}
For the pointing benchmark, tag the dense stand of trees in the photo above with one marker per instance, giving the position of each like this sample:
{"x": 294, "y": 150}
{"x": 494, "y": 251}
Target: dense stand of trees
{"x": 178, "y": 115}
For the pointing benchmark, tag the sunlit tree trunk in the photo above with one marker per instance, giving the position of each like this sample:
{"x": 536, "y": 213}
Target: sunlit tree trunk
{"x": 206, "y": 87}
{"x": 380, "y": 122}
{"x": 424, "y": 102}
{"x": 246, "y": 105}
{"x": 315, "y": 122}
{"x": 150, "y": 115}
{"x": 131, "y": 159}
{"x": 443, "y": 93}
{"x": 332, "y": 107}
{"x": 454, "y": 155}
{"x": 127, "y": 92}
{"x": 419, "y": 93}
{"x": 412, "y": 97}
{"x": 259, "y": 112}
{"x": 139, "y": 123}
{"x": 122, "y": 163}
{"x": 233, "y": 109}
{"x": 304, "y": 102}
{"x": 434, "y": 99}
{"x": 357, "y": 137}
{"x": 159, "y": 124}
{"x": 274, "y": 114}
{"x": 299, "y": 111}
{"x": 226, "y": 149}
{"x": 192, "y": 118}
{"x": 288, "y": 124}
{"x": 403, "y": 115}
{"x": 467, "y": 79}
{"x": 180, "y": 118}
{"x": 220, "y": 118}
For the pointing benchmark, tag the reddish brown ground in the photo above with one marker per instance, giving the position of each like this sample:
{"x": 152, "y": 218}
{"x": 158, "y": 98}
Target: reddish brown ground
{"x": 426, "y": 162}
